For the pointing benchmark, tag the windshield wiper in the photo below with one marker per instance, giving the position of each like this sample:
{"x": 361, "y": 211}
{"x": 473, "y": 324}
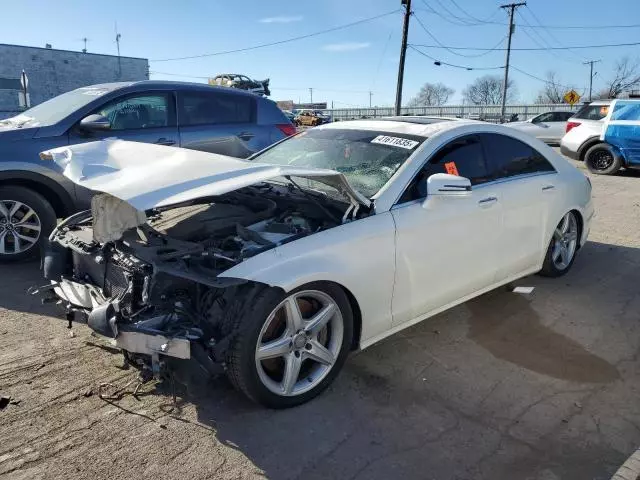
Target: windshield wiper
{"x": 314, "y": 200}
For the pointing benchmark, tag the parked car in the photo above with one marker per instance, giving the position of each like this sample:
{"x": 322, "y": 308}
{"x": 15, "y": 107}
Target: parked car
{"x": 242, "y": 82}
{"x": 326, "y": 242}
{"x": 620, "y": 139}
{"x": 195, "y": 116}
{"x": 583, "y": 133}
{"x": 308, "y": 118}
{"x": 548, "y": 127}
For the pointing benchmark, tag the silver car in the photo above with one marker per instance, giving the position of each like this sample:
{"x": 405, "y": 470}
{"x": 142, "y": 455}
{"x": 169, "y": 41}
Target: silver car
{"x": 548, "y": 127}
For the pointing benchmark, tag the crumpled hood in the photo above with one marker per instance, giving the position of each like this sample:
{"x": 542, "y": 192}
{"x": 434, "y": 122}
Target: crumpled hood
{"x": 148, "y": 176}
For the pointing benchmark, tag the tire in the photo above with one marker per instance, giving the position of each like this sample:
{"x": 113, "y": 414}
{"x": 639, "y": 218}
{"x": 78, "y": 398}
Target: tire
{"x": 601, "y": 159}
{"x": 256, "y": 312}
{"x": 563, "y": 238}
{"x": 39, "y": 214}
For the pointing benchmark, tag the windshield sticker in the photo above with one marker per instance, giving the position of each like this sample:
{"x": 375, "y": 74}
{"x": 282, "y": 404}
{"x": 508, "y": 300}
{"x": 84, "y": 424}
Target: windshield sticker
{"x": 451, "y": 168}
{"x": 395, "y": 142}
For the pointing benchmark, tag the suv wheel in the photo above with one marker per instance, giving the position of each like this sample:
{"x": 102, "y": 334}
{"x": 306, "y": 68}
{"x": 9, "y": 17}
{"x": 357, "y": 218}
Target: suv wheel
{"x": 602, "y": 159}
{"x": 26, "y": 219}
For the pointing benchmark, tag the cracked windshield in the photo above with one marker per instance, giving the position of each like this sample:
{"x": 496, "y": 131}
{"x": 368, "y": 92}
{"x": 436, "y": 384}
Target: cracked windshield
{"x": 368, "y": 159}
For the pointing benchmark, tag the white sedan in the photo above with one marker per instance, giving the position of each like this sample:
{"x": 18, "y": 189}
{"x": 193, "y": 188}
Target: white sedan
{"x": 275, "y": 268}
{"x": 548, "y": 127}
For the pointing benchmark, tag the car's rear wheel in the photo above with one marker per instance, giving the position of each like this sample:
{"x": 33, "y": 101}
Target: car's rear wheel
{"x": 290, "y": 346}
{"x": 26, "y": 219}
{"x": 563, "y": 246}
{"x": 601, "y": 159}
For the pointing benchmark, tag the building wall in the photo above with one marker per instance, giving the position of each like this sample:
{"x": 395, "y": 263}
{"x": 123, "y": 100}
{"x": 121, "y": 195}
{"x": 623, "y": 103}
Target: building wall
{"x": 52, "y": 72}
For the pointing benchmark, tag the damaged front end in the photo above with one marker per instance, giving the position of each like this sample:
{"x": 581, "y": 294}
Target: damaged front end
{"x": 149, "y": 281}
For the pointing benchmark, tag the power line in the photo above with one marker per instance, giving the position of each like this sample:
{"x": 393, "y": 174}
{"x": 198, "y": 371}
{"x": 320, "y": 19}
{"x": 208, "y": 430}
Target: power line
{"x": 441, "y": 45}
{"x": 554, "y": 27}
{"x": 604, "y": 45}
{"x": 540, "y": 79}
{"x": 476, "y": 19}
{"x": 439, "y": 62}
{"x": 548, "y": 32}
{"x": 279, "y": 42}
{"x": 547, "y": 46}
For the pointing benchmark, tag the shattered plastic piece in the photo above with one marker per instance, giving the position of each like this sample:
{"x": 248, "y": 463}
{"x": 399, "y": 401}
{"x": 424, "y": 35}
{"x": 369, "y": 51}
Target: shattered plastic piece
{"x": 72, "y": 334}
{"x": 524, "y": 290}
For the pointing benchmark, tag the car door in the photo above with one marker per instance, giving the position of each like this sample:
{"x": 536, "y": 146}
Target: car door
{"x": 556, "y": 126}
{"x": 218, "y": 122}
{"x": 527, "y": 183}
{"x": 446, "y": 248}
{"x": 147, "y": 117}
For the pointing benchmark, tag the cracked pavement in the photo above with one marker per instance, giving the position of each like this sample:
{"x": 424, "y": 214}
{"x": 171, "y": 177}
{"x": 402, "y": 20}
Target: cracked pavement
{"x": 537, "y": 387}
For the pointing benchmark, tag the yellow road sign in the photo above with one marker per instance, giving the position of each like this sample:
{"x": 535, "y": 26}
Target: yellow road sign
{"x": 571, "y": 97}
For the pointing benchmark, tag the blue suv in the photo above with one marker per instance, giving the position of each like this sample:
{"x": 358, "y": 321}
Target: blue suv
{"x": 33, "y": 193}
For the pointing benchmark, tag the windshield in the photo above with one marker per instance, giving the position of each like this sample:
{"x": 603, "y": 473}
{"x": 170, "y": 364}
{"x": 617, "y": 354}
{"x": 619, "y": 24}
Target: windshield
{"x": 57, "y": 108}
{"x": 367, "y": 158}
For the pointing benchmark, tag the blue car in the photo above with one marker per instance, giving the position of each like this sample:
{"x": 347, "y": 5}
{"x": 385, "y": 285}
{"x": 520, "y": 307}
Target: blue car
{"x": 33, "y": 193}
{"x": 620, "y": 139}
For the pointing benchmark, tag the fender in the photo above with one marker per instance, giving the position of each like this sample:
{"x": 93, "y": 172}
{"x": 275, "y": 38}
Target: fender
{"x": 41, "y": 175}
{"x": 359, "y": 256}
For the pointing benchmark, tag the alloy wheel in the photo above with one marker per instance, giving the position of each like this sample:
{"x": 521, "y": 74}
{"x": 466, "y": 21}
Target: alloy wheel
{"x": 565, "y": 241}
{"x": 602, "y": 159}
{"x": 19, "y": 227}
{"x": 299, "y": 343}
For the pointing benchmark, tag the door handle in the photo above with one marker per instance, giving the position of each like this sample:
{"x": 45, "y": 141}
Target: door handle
{"x": 548, "y": 187}
{"x": 485, "y": 202}
{"x": 246, "y": 135}
{"x": 165, "y": 141}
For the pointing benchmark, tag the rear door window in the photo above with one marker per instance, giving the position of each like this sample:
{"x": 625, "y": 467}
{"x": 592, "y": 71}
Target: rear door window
{"x": 213, "y": 108}
{"x": 508, "y": 157}
{"x": 592, "y": 112}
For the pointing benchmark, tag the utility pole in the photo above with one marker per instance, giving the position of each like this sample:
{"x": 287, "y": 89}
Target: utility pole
{"x": 512, "y": 7}
{"x": 370, "y": 95}
{"x": 311, "y": 94}
{"x": 591, "y": 75}
{"x": 85, "y": 40}
{"x": 403, "y": 53}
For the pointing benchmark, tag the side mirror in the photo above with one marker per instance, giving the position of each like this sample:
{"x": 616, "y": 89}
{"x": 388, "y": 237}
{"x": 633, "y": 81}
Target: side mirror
{"x": 95, "y": 122}
{"x": 445, "y": 185}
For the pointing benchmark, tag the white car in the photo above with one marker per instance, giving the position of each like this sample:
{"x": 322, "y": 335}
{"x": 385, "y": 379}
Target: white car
{"x": 276, "y": 268}
{"x": 583, "y": 133}
{"x": 548, "y": 127}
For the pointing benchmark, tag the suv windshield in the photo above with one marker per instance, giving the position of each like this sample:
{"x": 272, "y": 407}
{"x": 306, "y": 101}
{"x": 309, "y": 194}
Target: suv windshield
{"x": 57, "y": 108}
{"x": 367, "y": 158}
{"x": 592, "y": 112}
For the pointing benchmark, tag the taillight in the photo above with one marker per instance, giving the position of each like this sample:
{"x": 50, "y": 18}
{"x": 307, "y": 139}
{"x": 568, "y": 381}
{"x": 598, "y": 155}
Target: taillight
{"x": 287, "y": 128}
{"x": 571, "y": 125}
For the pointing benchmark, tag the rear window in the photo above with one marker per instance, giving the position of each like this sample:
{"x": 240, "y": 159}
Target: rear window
{"x": 592, "y": 112}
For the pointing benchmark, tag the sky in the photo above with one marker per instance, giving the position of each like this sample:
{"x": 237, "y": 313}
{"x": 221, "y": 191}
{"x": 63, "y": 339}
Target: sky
{"x": 342, "y": 66}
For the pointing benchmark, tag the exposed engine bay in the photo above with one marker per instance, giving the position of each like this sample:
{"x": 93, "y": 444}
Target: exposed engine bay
{"x": 156, "y": 290}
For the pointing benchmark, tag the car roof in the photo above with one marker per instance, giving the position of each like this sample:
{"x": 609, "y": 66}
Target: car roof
{"x": 421, "y": 119}
{"x": 600, "y": 102}
{"x": 401, "y": 127}
{"x": 167, "y": 84}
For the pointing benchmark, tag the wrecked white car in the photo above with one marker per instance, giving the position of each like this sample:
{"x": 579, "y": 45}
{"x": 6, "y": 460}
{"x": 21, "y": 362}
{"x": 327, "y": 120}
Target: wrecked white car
{"x": 273, "y": 269}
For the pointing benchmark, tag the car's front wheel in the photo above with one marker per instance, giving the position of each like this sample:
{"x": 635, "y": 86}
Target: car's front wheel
{"x": 290, "y": 346}
{"x": 26, "y": 219}
{"x": 601, "y": 159}
{"x": 562, "y": 248}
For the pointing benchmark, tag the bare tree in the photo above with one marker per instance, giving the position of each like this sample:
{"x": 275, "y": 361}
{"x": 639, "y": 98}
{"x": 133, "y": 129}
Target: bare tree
{"x": 487, "y": 90}
{"x": 627, "y": 76}
{"x": 552, "y": 91}
{"x": 431, "y": 94}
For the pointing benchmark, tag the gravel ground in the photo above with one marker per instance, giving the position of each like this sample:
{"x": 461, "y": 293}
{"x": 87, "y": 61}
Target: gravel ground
{"x": 505, "y": 386}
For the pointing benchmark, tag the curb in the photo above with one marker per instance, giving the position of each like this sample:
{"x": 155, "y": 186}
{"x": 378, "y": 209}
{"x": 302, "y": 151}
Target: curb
{"x": 630, "y": 470}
